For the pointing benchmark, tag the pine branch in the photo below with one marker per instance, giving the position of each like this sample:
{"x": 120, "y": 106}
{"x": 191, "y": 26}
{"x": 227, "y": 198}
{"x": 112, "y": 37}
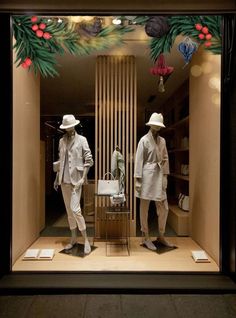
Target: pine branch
{"x": 185, "y": 25}
{"x": 63, "y": 38}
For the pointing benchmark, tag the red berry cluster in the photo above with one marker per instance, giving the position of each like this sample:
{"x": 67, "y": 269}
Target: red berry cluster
{"x": 204, "y": 34}
{"x": 27, "y": 62}
{"x": 38, "y": 29}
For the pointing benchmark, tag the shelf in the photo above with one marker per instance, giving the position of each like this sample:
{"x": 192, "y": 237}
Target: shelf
{"x": 178, "y": 220}
{"x": 175, "y": 125}
{"x": 179, "y": 176}
{"x": 178, "y": 150}
{"x": 177, "y": 211}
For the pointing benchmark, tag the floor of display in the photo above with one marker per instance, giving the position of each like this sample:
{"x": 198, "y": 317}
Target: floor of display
{"x": 140, "y": 258}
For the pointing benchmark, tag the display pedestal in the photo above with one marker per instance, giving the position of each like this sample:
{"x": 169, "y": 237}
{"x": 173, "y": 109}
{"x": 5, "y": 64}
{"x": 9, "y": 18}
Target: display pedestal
{"x": 77, "y": 250}
{"x": 119, "y": 215}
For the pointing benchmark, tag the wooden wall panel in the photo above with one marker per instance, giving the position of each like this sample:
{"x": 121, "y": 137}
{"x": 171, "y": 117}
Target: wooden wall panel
{"x": 116, "y": 104}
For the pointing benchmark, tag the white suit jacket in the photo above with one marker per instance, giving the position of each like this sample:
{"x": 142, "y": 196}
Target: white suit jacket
{"x": 79, "y": 156}
{"x": 151, "y": 163}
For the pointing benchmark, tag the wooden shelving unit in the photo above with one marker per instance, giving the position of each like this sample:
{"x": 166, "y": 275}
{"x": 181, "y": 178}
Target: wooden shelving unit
{"x": 178, "y": 220}
{"x": 176, "y": 134}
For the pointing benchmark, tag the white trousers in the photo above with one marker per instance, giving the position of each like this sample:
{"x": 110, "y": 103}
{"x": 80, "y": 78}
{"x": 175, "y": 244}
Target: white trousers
{"x": 162, "y": 213}
{"x": 74, "y": 218}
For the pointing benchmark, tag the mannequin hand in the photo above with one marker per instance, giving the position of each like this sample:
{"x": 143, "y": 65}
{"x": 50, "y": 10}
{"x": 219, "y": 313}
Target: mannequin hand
{"x": 164, "y": 181}
{"x": 138, "y": 184}
{"x": 79, "y": 184}
{"x": 55, "y": 185}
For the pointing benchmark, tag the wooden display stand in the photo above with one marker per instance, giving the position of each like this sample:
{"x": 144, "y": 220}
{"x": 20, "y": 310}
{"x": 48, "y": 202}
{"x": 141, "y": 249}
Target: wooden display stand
{"x": 178, "y": 220}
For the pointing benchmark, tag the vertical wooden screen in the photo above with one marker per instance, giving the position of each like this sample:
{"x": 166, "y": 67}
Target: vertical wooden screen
{"x": 116, "y": 104}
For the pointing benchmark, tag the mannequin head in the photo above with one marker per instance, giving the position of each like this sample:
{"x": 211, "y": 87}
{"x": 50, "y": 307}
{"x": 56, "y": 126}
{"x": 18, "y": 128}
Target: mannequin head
{"x": 70, "y": 131}
{"x": 68, "y": 123}
{"x": 155, "y": 128}
{"x": 156, "y": 121}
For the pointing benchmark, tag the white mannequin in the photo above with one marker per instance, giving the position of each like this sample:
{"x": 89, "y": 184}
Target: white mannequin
{"x": 151, "y": 170}
{"x": 75, "y": 160}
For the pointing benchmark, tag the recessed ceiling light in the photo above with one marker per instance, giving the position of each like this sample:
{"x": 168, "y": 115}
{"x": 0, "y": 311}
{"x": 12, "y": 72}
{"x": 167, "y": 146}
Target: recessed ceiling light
{"x": 116, "y": 21}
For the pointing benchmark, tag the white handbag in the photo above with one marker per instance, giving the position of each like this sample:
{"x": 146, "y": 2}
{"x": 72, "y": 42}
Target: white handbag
{"x": 183, "y": 202}
{"x": 117, "y": 199}
{"x": 108, "y": 187}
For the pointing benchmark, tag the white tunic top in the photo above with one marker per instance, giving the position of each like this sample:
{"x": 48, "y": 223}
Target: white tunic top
{"x": 151, "y": 163}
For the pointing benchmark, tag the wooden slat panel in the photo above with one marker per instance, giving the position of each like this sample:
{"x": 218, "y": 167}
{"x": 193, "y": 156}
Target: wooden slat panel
{"x": 115, "y": 125}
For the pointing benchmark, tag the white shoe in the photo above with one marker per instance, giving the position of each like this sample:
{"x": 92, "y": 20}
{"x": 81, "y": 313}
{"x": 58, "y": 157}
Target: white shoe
{"x": 87, "y": 247}
{"x": 163, "y": 241}
{"x": 149, "y": 245}
{"x": 69, "y": 246}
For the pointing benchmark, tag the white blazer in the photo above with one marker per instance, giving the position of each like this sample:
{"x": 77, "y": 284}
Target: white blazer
{"x": 79, "y": 156}
{"x": 151, "y": 163}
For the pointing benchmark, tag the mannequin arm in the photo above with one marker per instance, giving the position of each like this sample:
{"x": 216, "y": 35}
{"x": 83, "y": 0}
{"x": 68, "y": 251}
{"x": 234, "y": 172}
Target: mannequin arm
{"x": 138, "y": 184}
{"x": 164, "y": 181}
{"x": 55, "y": 184}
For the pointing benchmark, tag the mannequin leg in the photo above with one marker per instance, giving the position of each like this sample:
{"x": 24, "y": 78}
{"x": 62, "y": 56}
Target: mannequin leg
{"x": 87, "y": 247}
{"x": 73, "y": 239}
{"x": 162, "y": 212}
{"x": 80, "y": 219}
{"x": 144, "y": 205}
{"x": 75, "y": 217}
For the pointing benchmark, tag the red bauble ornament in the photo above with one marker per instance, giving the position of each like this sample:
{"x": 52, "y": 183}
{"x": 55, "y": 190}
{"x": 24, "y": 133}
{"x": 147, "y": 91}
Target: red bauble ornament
{"x": 24, "y": 65}
{"x": 34, "y": 19}
{"x": 28, "y": 61}
{"x": 198, "y": 26}
{"x": 47, "y": 36}
{"x": 205, "y": 30}
{"x": 161, "y": 68}
{"x": 35, "y": 27}
{"x": 201, "y": 36}
{"x": 42, "y": 26}
{"x": 208, "y": 36}
{"x": 39, "y": 33}
{"x": 207, "y": 43}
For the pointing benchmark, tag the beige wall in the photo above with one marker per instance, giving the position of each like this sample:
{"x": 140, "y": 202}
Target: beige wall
{"x": 42, "y": 184}
{"x": 205, "y": 151}
{"x": 26, "y": 159}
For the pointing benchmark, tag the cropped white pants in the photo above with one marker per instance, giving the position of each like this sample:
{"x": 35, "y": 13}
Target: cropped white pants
{"x": 75, "y": 218}
{"x": 162, "y": 213}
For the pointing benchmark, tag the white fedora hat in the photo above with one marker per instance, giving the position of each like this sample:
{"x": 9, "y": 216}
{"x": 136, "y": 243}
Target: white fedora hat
{"x": 156, "y": 120}
{"x": 69, "y": 121}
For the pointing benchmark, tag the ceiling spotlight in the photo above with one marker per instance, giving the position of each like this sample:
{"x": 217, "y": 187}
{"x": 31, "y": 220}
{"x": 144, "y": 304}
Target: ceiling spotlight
{"x": 116, "y": 21}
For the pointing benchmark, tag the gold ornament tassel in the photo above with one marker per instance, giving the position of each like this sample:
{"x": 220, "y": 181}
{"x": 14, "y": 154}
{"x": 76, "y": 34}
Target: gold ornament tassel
{"x": 161, "y": 87}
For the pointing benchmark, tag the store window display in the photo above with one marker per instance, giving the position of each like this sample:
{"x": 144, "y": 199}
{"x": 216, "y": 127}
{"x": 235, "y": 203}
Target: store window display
{"x": 151, "y": 171}
{"x": 75, "y": 159}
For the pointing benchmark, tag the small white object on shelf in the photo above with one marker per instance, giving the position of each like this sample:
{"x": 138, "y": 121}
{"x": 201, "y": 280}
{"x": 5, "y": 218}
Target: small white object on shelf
{"x": 46, "y": 253}
{"x": 31, "y": 253}
{"x": 37, "y": 254}
{"x": 200, "y": 256}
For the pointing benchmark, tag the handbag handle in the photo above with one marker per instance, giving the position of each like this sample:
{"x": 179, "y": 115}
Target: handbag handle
{"x": 110, "y": 174}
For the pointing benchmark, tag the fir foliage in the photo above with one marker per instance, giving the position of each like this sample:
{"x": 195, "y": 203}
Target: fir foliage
{"x": 67, "y": 37}
{"x": 64, "y": 38}
{"x": 185, "y": 25}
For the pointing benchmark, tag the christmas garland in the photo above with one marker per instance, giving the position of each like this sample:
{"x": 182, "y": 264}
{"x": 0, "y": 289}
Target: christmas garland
{"x": 38, "y": 40}
{"x": 205, "y": 30}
